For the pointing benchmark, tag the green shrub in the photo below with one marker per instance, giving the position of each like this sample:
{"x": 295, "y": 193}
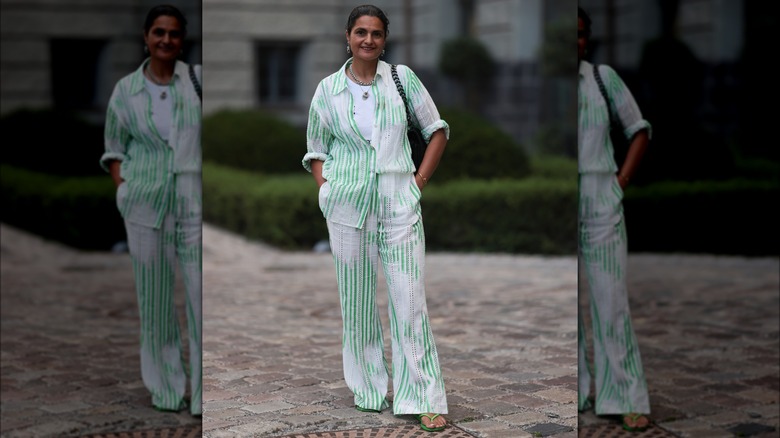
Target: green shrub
{"x": 479, "y": 150}
{"x": 77, "y": 211}
{"x": 554, "y": 167}
{"x": 253, "y": 140}
{"x": 466, "y": 60}
{"x": 52, "y": 142}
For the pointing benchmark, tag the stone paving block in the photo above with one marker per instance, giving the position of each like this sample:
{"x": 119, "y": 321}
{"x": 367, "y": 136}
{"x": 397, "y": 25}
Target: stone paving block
{"x": 298, "y": 421}
{"x": 261, "y": 398}
{"x": 256, "y": 389}
{"x": 224, "y": 404}
{"x": 547, "y": 429}
{"x": 51, "y": 428}
{"x": 728, "y": 402}
{"x": 708, "y": 433}
{"x": 65, "y": 407}
{"x": 481, "y": 394}
{"x": 766, "y": 382}
{"x": 684, "y": 426}
{"x": 303, "y": 410}
{"x": 268, "y": 407}
{"x": 227, "y": 413}
{"x": 228, "y": 376}
{"x": 560, "y": 412}
{"x": 559, "y": 395}
{"x": 11, "y": 423}
{"x": 494, "y": 408}
{"x": 760, "y": 395}
{"x": 257, "y": 429}
{"x": 762, "y": 411}
{"x": 525, "y": 401}
{"x": 524, "y": 418}
{"x": 482, "y": 383}
{"x": 218, "y": 395}
{"x": 522, "y": 388}
{"x": 752, "y": 428}
{"x": 725, "y": 418}
{"x": 459, "y": 413}
{"x": 484, "y": 429}
{"x": 348, "y": 413}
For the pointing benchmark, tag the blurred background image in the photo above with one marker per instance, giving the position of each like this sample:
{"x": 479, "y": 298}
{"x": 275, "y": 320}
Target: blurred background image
{"x": 60, "y": 62}
{"x": 70, "y": 326}
{"x": 698, "y": 72}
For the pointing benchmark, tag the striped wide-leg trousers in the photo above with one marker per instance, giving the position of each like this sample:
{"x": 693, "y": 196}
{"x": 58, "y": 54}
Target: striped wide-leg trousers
{"x": 393, "y": 234}
{"x": 155, "y": 254}
{"x": 620, "y": 381}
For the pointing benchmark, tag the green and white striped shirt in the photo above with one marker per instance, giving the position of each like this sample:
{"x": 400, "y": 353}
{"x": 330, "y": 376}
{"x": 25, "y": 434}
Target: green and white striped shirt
{"x": 350, "y": 162}
{"x": 596, "y": 153}
{"x": 148, "y": 162}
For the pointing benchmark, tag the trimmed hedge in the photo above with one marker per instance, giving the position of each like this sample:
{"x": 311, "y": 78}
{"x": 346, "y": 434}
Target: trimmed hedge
{"x": 52, "y": 142}
{"x": 532, "y": 216}
{"x": 536, "y": 215}
{"x": 719, "y": 217}
{"x": 77, "y": 211}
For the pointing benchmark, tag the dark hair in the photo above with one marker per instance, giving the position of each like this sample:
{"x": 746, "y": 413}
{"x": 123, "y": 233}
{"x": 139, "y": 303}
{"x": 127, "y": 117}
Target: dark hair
{"x": 167, "y": 10}
{"x": 371, "y": 11}
{"x": 585, "y": 20}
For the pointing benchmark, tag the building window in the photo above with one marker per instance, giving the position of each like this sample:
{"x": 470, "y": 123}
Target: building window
{"x": 277, "y": 70}
{"x": 75, "y": 70}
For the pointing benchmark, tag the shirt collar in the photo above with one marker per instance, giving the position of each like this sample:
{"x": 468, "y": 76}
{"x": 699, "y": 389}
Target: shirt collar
{"x": 137, "y": 81}
{"x": 340, "y": 82}
{"x": 585, "y": 66}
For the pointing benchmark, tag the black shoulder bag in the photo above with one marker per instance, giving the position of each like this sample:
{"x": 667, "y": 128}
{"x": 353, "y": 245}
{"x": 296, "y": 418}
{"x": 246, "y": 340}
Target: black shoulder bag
{"x": 413, "y": 133}
{"x": 195, "y": 82}
{"x": 620, "y": 143}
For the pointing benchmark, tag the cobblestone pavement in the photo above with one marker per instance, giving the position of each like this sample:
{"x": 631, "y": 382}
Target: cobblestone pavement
{"x": 708, "y": 330}
{"x": 505, "y": 328}
{"x": 69, "y": 344}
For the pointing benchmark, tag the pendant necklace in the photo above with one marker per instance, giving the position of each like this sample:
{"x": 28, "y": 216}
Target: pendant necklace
{"x": 154, "y": 79}
{"x": 363, "y": 84}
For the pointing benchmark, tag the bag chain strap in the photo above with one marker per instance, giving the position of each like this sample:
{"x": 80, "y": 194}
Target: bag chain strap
{"x": 195, "y": 83}
{"x": 401, "y": 92}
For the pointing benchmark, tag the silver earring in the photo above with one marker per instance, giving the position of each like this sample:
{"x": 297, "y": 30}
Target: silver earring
{"x": 146, "y": 49}
{"x": 348, "y": 49}
{"x": 383, "y": 52}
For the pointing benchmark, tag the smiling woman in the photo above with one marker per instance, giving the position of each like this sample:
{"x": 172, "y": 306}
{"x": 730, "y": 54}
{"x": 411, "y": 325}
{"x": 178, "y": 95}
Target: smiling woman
{"x": 370, "y": 189}
{"x": 153, "y": 153}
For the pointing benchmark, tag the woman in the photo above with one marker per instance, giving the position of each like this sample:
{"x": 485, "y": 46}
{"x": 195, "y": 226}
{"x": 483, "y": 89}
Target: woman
{"x": 360, "y": 158}
{"x": 620, "y": 382}
{"x": 152, "y": 151}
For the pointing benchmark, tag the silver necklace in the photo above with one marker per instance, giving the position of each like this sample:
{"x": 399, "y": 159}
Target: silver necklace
{"x": 154, "y": 79}
{"x": 359, "y": 82}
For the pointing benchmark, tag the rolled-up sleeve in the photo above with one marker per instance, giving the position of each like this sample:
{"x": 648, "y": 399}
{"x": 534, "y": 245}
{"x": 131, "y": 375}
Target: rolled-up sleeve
{"x": 625, "y": 105}
{"x": 116, "y": 135}
{"x": 424, "y": 108}
{"x": 318, "y": 134}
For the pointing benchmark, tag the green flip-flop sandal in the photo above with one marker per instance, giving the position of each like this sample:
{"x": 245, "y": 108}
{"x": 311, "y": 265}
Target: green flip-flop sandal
{"x": 430, "y": 417}
{"x": 634, "y": 418}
